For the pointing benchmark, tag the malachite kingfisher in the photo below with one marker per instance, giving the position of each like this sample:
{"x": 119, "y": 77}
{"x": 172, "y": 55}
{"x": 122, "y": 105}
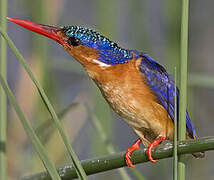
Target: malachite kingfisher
{"x": 135, "y": 86}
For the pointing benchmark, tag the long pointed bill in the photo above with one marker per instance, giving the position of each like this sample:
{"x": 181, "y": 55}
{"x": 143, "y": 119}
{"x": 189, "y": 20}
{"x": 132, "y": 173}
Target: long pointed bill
{"x": 49, "y": 31}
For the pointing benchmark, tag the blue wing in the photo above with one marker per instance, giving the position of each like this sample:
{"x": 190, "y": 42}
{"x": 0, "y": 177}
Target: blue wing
{"x": 163, "y": 86}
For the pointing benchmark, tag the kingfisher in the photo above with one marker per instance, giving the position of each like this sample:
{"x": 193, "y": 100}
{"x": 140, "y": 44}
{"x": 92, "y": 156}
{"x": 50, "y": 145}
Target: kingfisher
{"x": 135, "y": 86}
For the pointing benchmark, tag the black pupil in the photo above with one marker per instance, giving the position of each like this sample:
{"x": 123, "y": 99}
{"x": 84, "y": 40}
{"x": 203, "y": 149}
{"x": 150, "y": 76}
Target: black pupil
{"x": 73, "y": 41}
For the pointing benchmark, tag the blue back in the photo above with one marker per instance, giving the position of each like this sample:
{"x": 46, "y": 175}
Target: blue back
{"x": 163, "y": 85}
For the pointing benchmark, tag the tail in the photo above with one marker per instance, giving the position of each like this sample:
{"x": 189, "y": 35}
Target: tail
{"x": 199, "y": 155}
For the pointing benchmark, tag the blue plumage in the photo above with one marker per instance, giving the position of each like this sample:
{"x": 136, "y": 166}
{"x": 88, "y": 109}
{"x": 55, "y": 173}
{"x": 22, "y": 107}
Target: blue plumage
{"x": 157, "y": 78}
{"x": 109, "y": 52}
{"x": 162, "y": 85}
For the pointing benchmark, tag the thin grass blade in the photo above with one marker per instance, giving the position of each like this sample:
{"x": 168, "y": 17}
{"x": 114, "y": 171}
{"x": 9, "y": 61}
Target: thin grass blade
{"x": 80, "y": 171}
{"x": 175, "y": 149}
{"x": 30, "y": 132}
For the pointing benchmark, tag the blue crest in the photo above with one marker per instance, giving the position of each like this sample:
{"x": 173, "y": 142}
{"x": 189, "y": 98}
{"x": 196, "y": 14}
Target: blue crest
{"x": 109, "y": 52}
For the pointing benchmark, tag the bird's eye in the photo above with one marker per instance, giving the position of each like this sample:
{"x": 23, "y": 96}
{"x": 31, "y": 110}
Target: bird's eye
{"x": 73, "y": 41}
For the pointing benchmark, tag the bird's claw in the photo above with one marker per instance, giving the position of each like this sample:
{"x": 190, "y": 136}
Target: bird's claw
{"x": 129, "y": 151}
{"x": 128, "y": 159}
{"x": 152, "y": 145}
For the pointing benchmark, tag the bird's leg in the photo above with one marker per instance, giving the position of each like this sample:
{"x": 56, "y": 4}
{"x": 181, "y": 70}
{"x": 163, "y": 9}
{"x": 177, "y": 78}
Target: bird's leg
{"x": 130, "y": 150}
{"x": 155, "y": 143}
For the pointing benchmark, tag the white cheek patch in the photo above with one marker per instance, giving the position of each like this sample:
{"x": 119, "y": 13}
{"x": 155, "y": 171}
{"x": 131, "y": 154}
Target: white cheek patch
{"x": 101, "y": 64}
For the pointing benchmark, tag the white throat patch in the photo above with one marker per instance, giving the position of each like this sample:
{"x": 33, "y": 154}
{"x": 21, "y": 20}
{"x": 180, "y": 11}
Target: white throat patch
{"x": 101, "y": 64}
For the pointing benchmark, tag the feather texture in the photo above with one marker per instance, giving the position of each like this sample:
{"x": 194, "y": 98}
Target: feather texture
{"x": 162, "y": 84}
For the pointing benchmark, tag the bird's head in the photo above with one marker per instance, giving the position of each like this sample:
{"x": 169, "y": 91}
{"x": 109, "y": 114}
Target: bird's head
{"x": 87, "y": 46}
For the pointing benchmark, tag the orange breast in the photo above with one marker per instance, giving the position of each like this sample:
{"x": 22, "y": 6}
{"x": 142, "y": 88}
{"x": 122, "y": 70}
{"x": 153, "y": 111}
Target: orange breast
{"x": 126, "y": 91}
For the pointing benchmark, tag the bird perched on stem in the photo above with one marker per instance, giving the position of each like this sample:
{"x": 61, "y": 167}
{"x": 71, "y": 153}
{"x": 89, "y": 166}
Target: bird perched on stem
{"x": 135, "y": 86}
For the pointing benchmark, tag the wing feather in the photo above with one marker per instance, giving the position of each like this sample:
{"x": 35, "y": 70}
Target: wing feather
{"x": 163, "y": 86}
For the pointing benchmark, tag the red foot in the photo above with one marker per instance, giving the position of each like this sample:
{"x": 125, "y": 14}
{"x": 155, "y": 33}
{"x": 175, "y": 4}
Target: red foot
{"x": 155, "y": 143}
{"x": 129, "y": 151}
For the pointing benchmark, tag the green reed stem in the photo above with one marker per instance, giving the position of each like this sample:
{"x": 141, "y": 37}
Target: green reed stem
{"x": 116, "y": 160}
{"x": 3, "y": 99}
{"x": 183, "y": 84}
{"x": 175, "y": 149}
{"x": 75, "y": 160}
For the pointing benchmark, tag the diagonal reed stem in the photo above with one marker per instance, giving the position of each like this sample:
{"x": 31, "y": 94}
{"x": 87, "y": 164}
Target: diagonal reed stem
{"x": 75, "y": 160}
{"x": 30, "y": 132}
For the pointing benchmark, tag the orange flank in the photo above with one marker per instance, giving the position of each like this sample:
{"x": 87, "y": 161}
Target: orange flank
{"x": 126, "y": 91}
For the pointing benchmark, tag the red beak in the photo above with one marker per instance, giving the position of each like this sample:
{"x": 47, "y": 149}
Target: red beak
{"x": 49, "y": 31}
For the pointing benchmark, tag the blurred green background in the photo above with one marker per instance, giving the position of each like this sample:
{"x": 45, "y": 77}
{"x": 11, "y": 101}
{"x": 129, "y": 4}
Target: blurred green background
{"x": 150, "y": 26}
